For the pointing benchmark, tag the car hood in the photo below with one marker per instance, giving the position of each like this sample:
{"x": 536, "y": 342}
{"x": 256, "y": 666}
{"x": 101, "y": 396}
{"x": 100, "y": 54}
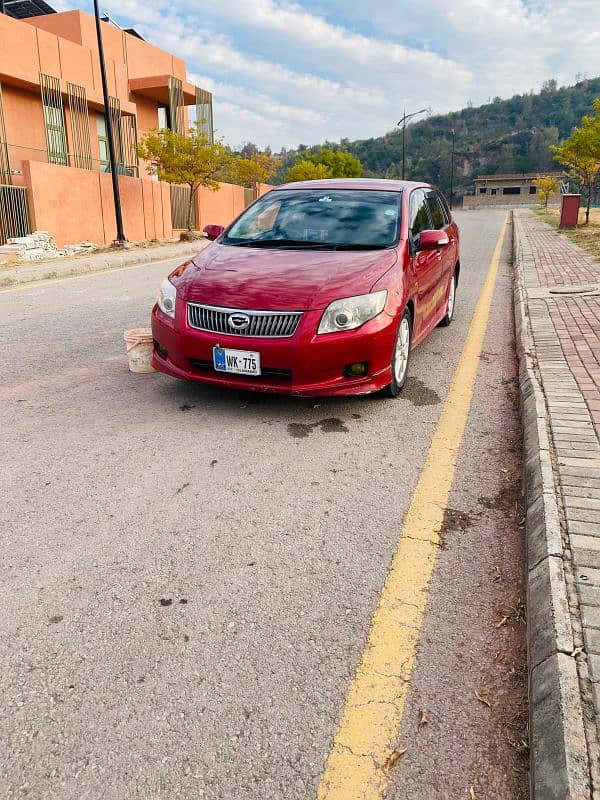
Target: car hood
{"x": 272, "y": 280}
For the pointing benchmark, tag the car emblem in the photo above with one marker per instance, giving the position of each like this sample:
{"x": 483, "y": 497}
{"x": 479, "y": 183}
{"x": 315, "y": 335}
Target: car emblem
{"x": 239, "y": 322}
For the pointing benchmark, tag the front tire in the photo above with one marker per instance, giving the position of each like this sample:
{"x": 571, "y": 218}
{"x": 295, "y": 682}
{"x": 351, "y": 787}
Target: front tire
{"x": 445, "y": 321}
{"x": 400, "y": 356}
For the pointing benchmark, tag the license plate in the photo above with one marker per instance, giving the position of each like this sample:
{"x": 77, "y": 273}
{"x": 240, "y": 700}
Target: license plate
{"x": 241, "y": 362}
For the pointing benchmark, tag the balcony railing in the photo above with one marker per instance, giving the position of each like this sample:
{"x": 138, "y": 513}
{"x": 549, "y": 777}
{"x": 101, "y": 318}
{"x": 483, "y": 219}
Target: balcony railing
{"x": 16, "y": 155}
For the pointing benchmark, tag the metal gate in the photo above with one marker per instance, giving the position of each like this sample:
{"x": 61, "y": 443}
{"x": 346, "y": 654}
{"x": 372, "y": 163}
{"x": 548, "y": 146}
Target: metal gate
{"x": 14, "y": 212}
{"x": 180, "y": 199}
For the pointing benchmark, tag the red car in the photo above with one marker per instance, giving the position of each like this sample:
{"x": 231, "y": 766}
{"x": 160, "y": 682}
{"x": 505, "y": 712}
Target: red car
{"x": 318, "y": 288}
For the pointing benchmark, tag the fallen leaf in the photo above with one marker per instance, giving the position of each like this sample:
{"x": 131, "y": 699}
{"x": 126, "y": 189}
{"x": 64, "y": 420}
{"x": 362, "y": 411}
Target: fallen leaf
{"x": 577, "y": 651}
{"x": 423, "y": 720}
{"x": 483, "y": 699}
{"x": 393, "y": 758}
{"x": 502, "y": 622}
{"x": 472, "y": 795}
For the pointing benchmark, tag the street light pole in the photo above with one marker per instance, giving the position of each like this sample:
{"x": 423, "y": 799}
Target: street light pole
{"x": 109, "y": 133}
{"x": 452, "y": 169}
{"x": 403, "y": 121}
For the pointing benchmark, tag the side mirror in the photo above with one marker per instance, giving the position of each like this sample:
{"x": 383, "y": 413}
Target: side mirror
{"x": 432, "y": 240}
{"x": 213, "y": 231}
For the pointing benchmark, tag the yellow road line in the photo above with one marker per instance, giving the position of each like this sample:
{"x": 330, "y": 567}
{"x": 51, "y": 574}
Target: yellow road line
{"x": 364, "y": 741}
{"x": 46, "y": 281}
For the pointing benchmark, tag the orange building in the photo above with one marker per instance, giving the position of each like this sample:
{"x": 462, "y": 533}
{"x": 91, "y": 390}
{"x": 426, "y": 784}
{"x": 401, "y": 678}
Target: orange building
{"x": 54, "y": 166}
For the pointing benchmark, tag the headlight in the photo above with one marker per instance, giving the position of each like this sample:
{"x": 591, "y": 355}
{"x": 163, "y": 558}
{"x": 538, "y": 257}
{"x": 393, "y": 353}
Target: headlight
{"x": 166, "y": 298}
{"x": 352, "y": 312}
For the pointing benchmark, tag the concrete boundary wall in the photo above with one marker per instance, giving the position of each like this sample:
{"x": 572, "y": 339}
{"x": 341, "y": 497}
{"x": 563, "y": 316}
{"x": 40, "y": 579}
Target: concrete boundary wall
{"x": 76, "y": 205}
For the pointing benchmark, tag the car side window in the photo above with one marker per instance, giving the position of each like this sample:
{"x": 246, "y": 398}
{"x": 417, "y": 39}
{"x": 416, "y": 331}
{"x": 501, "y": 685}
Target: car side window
{"x": 419, "y": 213}
{"x": 445, "y": 208}
{"x": 436, "y": 210}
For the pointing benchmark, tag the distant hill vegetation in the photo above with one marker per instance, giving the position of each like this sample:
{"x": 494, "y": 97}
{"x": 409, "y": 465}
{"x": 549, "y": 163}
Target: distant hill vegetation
{"x": 502, "y": 136}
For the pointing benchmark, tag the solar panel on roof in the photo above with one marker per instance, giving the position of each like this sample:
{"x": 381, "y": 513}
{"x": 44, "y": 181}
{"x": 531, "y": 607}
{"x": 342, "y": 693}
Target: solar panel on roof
{"x": 23, "y": 9}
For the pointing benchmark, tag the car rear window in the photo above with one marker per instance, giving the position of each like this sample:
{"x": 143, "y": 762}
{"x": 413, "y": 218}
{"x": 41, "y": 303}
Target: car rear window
{"x": 320, "y": 219}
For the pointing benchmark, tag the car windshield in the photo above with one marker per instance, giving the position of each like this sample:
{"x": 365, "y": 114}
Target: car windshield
{"x": 320, "y": 219}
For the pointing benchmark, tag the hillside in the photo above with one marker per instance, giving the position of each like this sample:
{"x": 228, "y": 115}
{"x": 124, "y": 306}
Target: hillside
{"x": 502, "y": 136}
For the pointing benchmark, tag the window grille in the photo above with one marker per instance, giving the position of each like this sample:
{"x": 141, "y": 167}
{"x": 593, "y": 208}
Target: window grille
{"x": 204, "y": 112}
{"x": 14, "y": 212}
{"x": 176, "y": 107}
{"x": 81, "y": 155}
{"x": 54, "y": 119}
{"x": 129, "y": 145}
{"x": 5, "y": 173}
{"x": 114, "y": 115}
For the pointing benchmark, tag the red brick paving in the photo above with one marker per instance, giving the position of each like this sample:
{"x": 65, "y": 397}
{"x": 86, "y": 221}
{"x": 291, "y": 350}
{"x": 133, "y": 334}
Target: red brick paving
{"x": 576, "y": 318}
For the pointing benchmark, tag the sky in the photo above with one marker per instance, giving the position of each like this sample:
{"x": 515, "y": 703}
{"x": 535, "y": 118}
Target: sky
{"x": 285, "y": 73}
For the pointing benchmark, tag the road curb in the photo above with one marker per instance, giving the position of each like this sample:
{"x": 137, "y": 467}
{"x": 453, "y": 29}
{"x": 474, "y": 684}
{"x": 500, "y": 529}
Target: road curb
{"x": 97, "y": 262}
{"x": 559, "y": 762}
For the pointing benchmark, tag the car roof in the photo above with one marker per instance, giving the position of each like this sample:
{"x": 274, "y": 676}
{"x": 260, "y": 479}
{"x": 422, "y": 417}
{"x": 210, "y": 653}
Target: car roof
{"x": 354, "y": 183}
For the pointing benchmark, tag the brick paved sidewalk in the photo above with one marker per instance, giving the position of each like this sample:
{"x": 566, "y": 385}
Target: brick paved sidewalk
{"x": 562, "y": 298}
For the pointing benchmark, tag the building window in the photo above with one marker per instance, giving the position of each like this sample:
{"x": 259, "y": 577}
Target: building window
{"x": 482, "y": 190}
{"x": 54, "y": 119}
{"x": 102, "y": 142}
{"x": 164, "y": 118}
{"x": 494, "y": 191}
{"x": 511, "y": 190}
{"x": 533, "y": 190}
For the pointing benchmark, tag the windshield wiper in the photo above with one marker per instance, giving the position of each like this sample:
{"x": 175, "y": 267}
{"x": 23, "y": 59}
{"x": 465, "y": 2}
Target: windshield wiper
{"x": 360, "y": 246}
{"x": 279, "y": 243}
{"x": 303, "y": 243}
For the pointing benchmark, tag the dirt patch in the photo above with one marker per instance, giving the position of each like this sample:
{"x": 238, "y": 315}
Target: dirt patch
{"x": 455, "y": 521}
{"x": 300, "y": 430}
{"x": 419, "y": 394}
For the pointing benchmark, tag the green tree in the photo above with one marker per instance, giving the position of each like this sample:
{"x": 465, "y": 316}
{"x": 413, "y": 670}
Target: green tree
{"x": 546, "y": 187}
{"x": 304, "y": 170}
{"x": 255, "y": 168}
{"x": 185, "y": 158}
{"x": 580, "y": 153}
{"x": 341, "y": 163}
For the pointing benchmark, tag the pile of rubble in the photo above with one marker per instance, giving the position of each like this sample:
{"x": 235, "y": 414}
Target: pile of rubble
{"x": 40, "y": 245}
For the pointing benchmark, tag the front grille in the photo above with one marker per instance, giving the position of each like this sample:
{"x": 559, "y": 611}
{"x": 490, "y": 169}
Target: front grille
{"x": 261, "y": 324}
{"x": 273, "y": 373}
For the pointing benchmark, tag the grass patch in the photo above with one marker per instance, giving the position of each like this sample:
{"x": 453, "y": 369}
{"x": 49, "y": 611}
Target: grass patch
{"x": 586, "y": 236}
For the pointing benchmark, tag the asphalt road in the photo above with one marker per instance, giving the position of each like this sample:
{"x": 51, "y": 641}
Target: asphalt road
{"x": 189, "y": 574}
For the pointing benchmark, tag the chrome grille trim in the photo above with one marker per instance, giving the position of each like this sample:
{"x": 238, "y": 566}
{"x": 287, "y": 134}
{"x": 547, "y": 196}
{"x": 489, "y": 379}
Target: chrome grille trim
{"x": 263, "y": 324}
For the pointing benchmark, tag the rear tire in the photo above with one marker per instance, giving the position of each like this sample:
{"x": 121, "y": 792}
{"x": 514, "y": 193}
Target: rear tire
{"x": 400, "y": 356}
{"x": 451, "y": 303}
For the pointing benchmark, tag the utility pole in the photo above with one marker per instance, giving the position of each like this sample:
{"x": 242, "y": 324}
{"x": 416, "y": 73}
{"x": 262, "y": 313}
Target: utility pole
{"x": 403, "y": 121}
{"x": 120, "y": 240}
{"x": 452, "y": 169}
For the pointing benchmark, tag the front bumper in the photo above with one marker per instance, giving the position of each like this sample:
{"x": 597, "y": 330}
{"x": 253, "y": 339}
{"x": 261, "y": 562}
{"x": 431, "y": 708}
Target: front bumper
{"x": 303, "y": 364}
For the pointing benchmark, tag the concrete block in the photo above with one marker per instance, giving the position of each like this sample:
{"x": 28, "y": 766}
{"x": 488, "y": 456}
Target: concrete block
{"x": 592, "y": 643}
{"x": 590, "y": 617}
{"x": 549, "y": 622}
{"x": 543, "y": 529}
{"x": 559, "y": 750}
